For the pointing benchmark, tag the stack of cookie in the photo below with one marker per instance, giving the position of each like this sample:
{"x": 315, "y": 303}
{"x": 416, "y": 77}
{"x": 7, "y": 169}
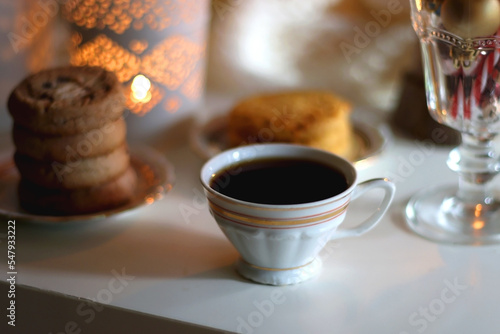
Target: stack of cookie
{"x": 69, "y": 135}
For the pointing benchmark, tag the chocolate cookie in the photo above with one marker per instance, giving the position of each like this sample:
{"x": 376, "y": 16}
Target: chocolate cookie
{"x": 67, "y": 100}
{"x": 91, "y": 144}
{"x": 109, "y": 195}
{"x": 78, "y": 173}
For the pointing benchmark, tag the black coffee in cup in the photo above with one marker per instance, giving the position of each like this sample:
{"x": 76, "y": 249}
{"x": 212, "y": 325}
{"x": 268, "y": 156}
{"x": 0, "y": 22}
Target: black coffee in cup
{"x": 280, "y": 181}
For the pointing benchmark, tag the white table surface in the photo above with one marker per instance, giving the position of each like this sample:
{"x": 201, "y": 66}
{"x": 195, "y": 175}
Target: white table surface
{"x": 179, "y": 265}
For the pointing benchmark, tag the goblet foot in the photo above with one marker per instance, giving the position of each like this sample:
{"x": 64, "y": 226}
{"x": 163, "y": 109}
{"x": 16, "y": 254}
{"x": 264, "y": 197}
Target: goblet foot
{"x": 436, "y": 214}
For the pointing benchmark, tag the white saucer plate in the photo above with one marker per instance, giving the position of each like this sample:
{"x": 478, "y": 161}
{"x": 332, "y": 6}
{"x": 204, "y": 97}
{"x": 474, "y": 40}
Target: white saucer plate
{"x": 155, "y": 179}
{"x": 210, "y": 138}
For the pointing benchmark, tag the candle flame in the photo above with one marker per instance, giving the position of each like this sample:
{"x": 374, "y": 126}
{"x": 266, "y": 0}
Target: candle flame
{"x": 140, "y": 89}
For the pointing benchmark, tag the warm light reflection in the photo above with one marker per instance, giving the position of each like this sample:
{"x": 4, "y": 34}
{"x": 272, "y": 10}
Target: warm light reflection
{"x": 172, "y": 104}
{"x": 419, "y": 4}
{"x": 478, "y": 224}
{"x": 172, "y": 61}
{"x": 148, "y": 174}
{"x": 140, "y": 89}
{"x": 138, "y": 46}
{"x": 104, "y": 52}
{"x": 121, "y": 15}
{"x": 478, "y": 210}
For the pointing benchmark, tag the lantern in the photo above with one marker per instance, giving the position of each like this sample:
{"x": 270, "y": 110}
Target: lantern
{"x": 155, "y": 47}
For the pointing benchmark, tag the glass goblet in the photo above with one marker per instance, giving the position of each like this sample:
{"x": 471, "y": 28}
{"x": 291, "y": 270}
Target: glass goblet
{"x": 460, "y": 42}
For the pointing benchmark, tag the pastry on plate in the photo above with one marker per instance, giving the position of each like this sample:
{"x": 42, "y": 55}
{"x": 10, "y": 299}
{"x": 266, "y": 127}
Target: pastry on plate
{"x": 313, "y": 118}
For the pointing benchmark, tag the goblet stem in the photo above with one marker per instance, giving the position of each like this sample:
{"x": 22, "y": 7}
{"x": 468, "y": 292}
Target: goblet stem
{"x": 477, "y": 164}
{"x": 462, "y": 67}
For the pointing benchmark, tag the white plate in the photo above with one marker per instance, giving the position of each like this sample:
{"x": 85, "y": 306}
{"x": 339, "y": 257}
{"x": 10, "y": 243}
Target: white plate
{"x": 210, "y": 138}
{"x": 155, "y": 179}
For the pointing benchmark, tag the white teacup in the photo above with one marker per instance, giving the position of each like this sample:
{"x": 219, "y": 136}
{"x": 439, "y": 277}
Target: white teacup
{"x": 279, "y": 243}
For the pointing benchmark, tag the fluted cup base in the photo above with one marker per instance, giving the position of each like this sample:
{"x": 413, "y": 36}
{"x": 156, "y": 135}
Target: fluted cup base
{"x": 272, "y": 276}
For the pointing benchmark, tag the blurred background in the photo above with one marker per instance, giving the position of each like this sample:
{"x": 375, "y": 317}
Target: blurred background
{"x": 170, "y": 54}
{"x": 357, "y": 48}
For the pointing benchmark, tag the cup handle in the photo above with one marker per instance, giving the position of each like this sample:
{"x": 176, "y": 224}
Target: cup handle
{"x": 371, "y": 221}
